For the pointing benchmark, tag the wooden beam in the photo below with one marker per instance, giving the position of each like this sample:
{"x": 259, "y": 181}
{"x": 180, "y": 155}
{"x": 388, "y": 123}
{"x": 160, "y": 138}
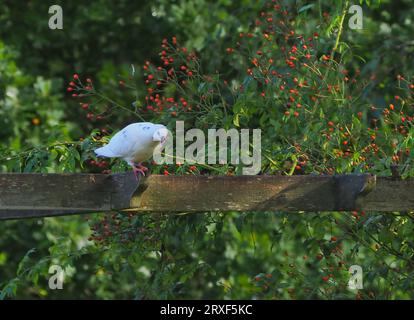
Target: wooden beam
{"x": 39, "y": 195}
{"x": 251, "y": 193}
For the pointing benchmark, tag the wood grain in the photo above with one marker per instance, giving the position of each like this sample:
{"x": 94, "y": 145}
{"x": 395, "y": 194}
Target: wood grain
{"x": 40, "y": 195}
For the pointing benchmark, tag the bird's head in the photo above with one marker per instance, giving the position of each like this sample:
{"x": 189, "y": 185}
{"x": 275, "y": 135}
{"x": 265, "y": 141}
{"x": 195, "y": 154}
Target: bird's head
{"x": 160, "y": 135}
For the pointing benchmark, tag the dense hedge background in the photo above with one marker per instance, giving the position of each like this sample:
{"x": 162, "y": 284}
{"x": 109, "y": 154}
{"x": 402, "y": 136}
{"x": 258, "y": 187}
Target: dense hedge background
{"x": 248, "y": 64}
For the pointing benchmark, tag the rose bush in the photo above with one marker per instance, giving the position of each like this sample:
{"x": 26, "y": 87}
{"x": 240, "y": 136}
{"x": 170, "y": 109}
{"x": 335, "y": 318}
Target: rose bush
{"x": 298, "y": 81}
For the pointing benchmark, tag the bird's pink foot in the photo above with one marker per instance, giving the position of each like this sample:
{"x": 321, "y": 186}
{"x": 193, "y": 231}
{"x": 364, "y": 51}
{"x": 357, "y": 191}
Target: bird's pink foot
{"x": 137, "y": 171}
{"x": 139, "y": 168}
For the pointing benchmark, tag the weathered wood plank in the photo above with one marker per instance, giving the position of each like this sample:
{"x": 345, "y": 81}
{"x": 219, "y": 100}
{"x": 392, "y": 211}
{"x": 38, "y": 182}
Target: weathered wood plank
{"x": 39, "y": 195}
{"x": 282, "y": 193}
{"x": 49, "y": 191}
{"x": 251, "y": 193}
{"x": 391, "y": 195}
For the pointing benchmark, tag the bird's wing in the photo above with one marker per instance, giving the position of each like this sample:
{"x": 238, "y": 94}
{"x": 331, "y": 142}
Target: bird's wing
{"x": 124, "y": 142}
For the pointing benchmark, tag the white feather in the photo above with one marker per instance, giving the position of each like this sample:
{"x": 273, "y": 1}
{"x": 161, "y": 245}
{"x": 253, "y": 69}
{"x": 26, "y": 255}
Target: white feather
{"x": 105, "y": 152}
{"x": 134, "y": 143}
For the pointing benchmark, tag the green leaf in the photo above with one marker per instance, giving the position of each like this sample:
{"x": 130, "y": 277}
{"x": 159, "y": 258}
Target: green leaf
{"x": 236, "y": 120}
{"x": 306, "y": 7}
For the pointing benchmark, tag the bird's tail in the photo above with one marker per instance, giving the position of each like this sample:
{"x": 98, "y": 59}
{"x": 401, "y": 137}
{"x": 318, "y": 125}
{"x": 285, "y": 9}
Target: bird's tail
{"x": 105, "y": 152}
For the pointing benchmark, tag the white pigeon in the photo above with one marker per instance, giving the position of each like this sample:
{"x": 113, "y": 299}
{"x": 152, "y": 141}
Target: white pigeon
{"x": 135, "y": 143}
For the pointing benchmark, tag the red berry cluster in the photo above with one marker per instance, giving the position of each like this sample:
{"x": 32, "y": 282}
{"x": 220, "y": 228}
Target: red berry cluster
{"x": 103, "y": 230}
{"x": 297, "y": 51}
{"x": 179, "y": 169}
{"x": 358, "y": 215}
{"x": 177, "y": 66}
{"x": 120, "y": 227}
{"x": 84, "y": 90}
{"x": 334, "y": 259}
{"x": 78, "y": 89}
{"x": 101, "y": 166}
{"x": 264, "y": 280}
